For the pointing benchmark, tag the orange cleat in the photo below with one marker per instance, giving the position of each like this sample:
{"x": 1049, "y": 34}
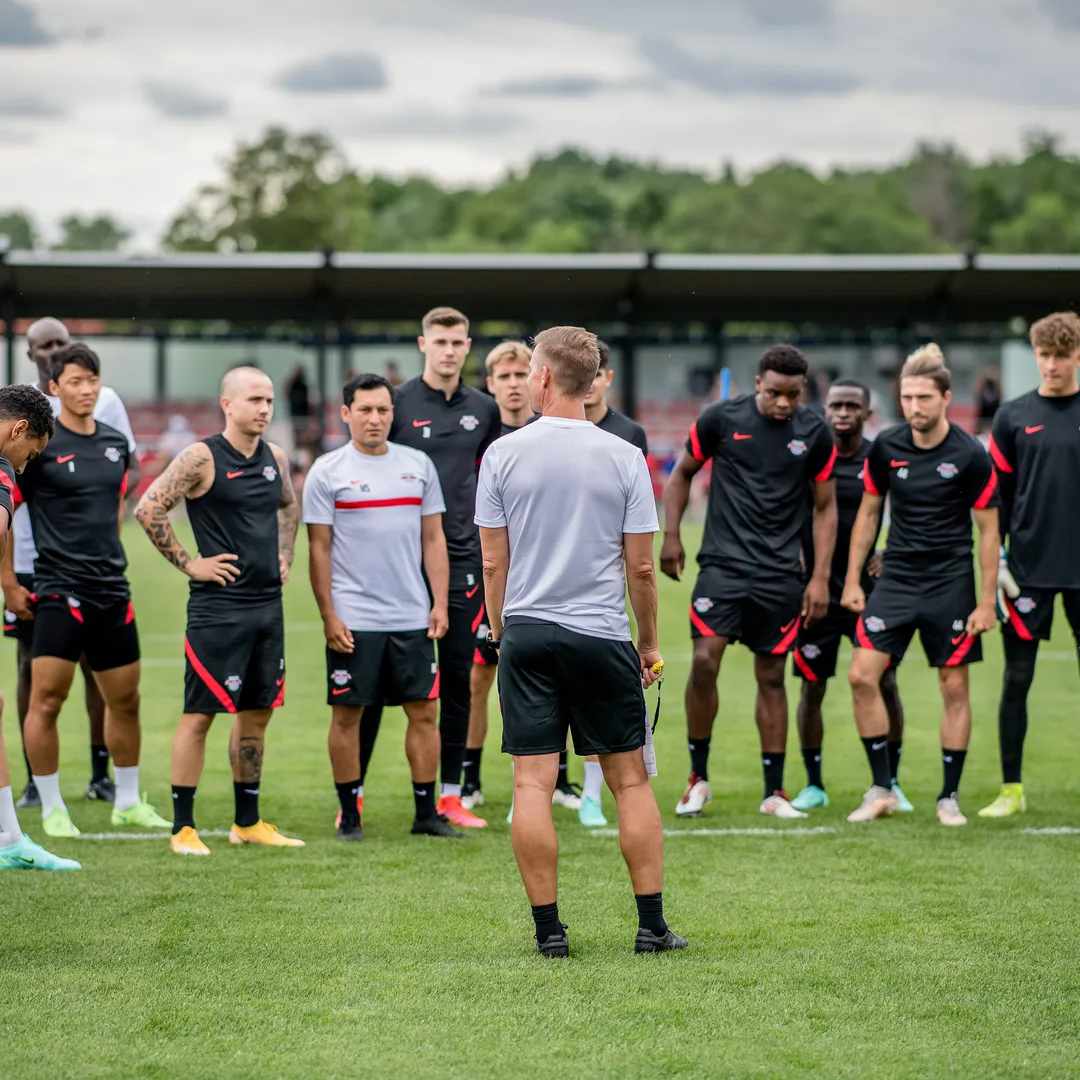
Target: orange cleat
{"x": 450, "y": 807}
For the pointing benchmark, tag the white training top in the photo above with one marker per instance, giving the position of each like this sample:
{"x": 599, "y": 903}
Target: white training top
{"x": 374, "y": 503}
{"x": 566, "y": 491}
{"x": 109, "y": 410}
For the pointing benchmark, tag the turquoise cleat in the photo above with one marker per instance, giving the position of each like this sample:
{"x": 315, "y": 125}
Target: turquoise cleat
{"x": 810, "y": 798}
{"x": 24, "y": 854}
{"x": 903, "y": 803}
{"x": 590, "y": 813}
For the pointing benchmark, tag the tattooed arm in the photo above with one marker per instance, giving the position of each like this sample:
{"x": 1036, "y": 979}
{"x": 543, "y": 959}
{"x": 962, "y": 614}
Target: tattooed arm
{"x": 189, "y": 474}
{"x": 288, "y": 517}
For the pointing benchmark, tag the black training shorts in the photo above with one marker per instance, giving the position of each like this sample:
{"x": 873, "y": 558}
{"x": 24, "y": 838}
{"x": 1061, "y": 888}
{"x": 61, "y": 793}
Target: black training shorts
{"x": 761, "y": 612}
{"x": 385, "y": 667}
{"x": 1031, "y": 614}
{"x": 234, "y": 663}
{"x": 21, "y": 630}
{"x": 68, "y": 628}
{"x": 936, "y": 606}
{"x": 552, "y": 680}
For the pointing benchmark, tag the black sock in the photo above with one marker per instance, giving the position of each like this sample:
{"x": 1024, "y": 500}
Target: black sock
{"x": 699, "y": 757}
{"x": 370, "y": 723}
{"x": 424, "y": 797}
{"x": 471, "y": 766}
{"x": 183, "y": 801}
{"x": 952, "y": 763}
{"x": 1020, "y": 659}
{"x": 650, "y": 912}
{"x": 877, "y": 753}
{"x": 99, "y": 762}
{"x": 772, "y": 766}
{"x": 246, "y": 796}
{"x": 564, "y": 778}
{"x": 346, "y": 794}
{"x": 811, "y": 756}
{"x": 546, "y": 918}
{"x": 895, "y": 748}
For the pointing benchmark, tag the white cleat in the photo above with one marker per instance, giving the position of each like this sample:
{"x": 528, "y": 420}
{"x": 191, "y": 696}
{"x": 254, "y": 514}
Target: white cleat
{"x": 777, "y": 805}
{"x": 876, "y": 803}
{"x": 948, "y": 812}
{"x": 473, "y": 799}
{"x": 697, "y": 794}
{"x": 568, "y": 797}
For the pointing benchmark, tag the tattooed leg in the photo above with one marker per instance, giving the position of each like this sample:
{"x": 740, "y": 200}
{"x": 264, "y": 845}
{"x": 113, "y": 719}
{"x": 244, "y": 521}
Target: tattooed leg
{"x": 246, "y": 757}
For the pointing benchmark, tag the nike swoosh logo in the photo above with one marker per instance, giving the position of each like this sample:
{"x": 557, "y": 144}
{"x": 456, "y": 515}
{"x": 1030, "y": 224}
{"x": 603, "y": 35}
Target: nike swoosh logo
{"x": 877, "y": 745}
{"x": 421, "y": 791}
{"x": 234, "y": 475}
{"x": 420, "y": 423}
{"x": 470, "y": 593}
{"x": 787, "y": 626}
{"x": 898, "y": 464}
{"x": 338, "y": 693}
{"x": 959, "y": 637}
{"x": 1033, "y": 428}
{"x": 738, "y": 436}
{"x": 63, "y": 459}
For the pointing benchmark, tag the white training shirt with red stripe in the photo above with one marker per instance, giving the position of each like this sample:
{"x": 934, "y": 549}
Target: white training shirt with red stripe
{"x": 374, "y": 502}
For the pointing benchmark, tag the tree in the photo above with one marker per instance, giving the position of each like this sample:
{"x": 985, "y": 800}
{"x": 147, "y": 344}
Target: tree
{"x": 101, "y": 233}
{"x": 17, "y": 229}
{"x": 1046, "y": 226}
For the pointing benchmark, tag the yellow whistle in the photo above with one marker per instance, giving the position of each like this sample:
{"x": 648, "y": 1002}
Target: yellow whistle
{"x": 658, "y": 667}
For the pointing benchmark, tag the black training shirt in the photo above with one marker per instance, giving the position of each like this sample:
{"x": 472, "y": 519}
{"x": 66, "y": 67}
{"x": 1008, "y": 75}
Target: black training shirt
{"x": 931, "y": 496}
{"x": 760, "y": 474}
{"x": 74, "y": 491}
{"x": 1036, "y": 448}
{"x": 618, "y": 424}
{"x": 454, "y": 433}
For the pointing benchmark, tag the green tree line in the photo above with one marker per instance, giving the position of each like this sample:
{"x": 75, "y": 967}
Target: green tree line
{"x": 299, "y": 191}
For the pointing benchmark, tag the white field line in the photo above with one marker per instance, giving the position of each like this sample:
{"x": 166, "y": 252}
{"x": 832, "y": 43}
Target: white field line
{"x": 817, "y": 830}
{"x": 144, "y": 835}
{"x": 1053, "y": 830}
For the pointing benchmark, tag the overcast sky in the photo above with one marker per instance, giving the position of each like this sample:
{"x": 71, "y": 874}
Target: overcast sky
{"x": 127, "y": 107}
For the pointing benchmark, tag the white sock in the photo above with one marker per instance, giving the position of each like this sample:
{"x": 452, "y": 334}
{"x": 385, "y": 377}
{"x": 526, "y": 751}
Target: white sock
{"x": 594, "y": 780}
{"x": 9, "y": 822}
{"x": 451, "y": 789}
{"x": 49, "y": 790}
{"x": 127, "y": 786}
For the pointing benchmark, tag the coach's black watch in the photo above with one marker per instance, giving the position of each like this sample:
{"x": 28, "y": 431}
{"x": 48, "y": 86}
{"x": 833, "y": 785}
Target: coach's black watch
{"x": 493, "y": 642}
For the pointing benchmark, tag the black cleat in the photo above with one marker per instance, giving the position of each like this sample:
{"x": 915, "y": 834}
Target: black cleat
{"x": 555, "y": 946}
{"x": 350, "y": 830}
{"x": 649, "y": 942}
{"x": 29, "y": 799}
{"x": 436, "y": 825}
{"x": 103, "y": 790}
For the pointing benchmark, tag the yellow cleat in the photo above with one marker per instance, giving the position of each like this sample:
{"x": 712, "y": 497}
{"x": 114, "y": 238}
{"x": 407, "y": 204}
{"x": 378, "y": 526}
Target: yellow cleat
{"x": 262, "y": 832}
{"x": 187, "y": 842}
{"x": 1010, "y": 801}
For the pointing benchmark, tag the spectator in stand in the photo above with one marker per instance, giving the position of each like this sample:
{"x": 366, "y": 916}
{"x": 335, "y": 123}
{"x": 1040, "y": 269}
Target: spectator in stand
{"x": 987, "y": 399}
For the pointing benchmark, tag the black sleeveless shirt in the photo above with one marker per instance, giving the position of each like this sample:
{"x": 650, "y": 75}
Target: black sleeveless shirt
{"x": 239, "y": 515}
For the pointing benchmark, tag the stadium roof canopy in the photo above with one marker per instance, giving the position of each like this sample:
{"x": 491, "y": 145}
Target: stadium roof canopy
{"x": 849, "y": 290}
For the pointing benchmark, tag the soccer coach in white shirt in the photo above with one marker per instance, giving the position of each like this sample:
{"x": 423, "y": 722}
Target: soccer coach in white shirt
{"x": 565, "y": 511}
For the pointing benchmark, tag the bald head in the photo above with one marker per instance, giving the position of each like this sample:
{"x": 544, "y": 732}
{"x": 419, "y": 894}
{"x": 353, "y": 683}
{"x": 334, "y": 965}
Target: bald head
{"x": 45, "y": 337}
{"x": 247, "y": 399}
{"x": 236, "y": 381}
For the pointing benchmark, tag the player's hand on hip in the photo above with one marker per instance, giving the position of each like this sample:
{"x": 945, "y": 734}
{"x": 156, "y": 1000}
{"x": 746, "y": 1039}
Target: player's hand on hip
{"x": 17, "y": 601}
{"x": 338, "y": 635}
{"x": 652, "y": 665}
{"x": 854, "y": 599}
{"x": 815, "y": 600}
{"x": 221, "y": 569}
{"x": 983, "y": 618}
{"x": 438, "y": 623}
{"x": 672, "y": 557}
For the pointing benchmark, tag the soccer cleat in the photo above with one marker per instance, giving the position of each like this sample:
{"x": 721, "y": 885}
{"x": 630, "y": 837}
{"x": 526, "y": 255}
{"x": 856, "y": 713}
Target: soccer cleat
{"x": 696, "y": 795}
{"x": 29, "y": 799}
{"x": 591, "y": 813}
{"x": 649, "y": 942}
{"x": 777, "y": 805}
{"x": 103, "y": 790}
{"x": 810, "y": 798}
{"x": 948, "y": 812}
{"x": 449, "y": 806}
{"x": 568, "y": 795}
{"x": 262, "y": 832}
{"x": 187, "y": 842}
{"x": 1010, "y": 801}
{"x": 141, "y": 814}
{"x": 471, "y": 798}
{"x": 555, "y": 946}
{"x": 350, "y": 831}
{"x": 903, "y": 803}
{"x": 24, "y": 854}
{"x": 436, "y": 825}
{"x": 877, "y": 802}
{"x": 359, "y": 810}
{"x": 59, "y": 823}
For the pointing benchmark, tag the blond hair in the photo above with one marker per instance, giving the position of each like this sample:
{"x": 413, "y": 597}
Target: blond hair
{"x": 507, "y": 350}
{"x": 573, "y": 355}
{"x": 1057, "y": 333}
{"x": 928, "y": 362}
{"x": 445, "y": 317}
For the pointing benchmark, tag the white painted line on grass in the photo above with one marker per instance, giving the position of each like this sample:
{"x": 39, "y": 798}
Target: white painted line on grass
{"x": 817, "y": 830}
{"x": 1053, "y": 830}
{"x": 144, "y": 835}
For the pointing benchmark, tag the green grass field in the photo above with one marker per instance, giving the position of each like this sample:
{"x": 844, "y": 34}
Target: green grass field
{"x": 900, "y": 949}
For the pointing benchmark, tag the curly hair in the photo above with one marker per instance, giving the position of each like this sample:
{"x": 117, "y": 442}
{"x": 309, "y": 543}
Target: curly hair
{"x": 1058, "y": 333}
{"x": 21, "y": 401}
{"x": 784, "y": 360}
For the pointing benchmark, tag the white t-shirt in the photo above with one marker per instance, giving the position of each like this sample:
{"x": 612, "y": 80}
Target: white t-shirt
{"x": 375, "y": 503}
{"x": 109, "y": 410}
{"x": 566, "y": 491}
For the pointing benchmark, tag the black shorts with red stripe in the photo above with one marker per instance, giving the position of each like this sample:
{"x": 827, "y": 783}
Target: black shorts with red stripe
{"x": 935, "y": 606}
{"x": 761, "y": 612}
{"x": 234, "y": 664}
{"x": 483, "y": 654}
{"x": 16, "y": 629}
{"x": 814, "y": 657}
{"x": 389, "y": 667}
{"x": 1030, "y": 617}
{"x": 68, "y": 627}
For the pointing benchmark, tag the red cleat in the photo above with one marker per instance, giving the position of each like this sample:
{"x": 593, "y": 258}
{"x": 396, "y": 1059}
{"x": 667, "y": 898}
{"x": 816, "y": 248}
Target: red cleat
{"x": 450, "y": 807}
